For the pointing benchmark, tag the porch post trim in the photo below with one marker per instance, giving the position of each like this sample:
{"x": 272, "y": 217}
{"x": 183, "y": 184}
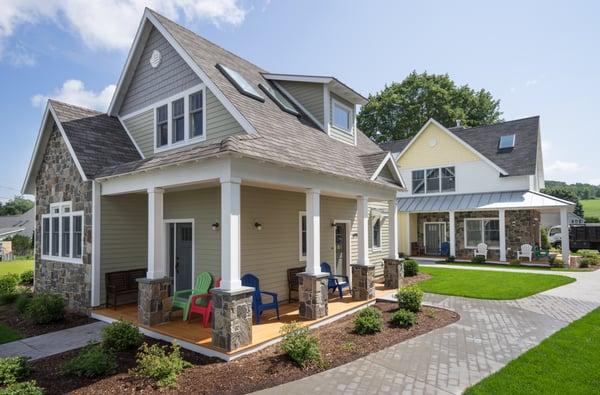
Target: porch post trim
{"x": 393, "y": 236}
{"x": 452, "y": 223}
{"x": 502, "y": 226}
{"x": 96, "y": 230}
{"x": 313, "y": 231}
{"x": 564, "y": 236}
{"x": 230, "y": 234}
{"x": 362, "y": 203}
{"x": 156, "y": 240}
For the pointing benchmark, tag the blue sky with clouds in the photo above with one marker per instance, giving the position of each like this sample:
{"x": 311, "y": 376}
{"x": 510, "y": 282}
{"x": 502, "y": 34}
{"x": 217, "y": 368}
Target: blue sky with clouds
{"x": 536, "y": 57}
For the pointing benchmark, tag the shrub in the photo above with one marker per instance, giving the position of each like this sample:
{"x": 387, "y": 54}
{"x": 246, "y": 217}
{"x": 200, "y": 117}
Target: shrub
{"x": 593, "y": 256}
{"x": 155, "y": 362}
{"x": 404, "y": 318}
{"x": 22, "y": 302}
{"x": 13, "y": 369}
{"x": 92, "y": 361}
{"x": 556, "y": 263}
{"x": 451, "y": 259}
{"x": 545, "y": 243}
{"x": 586, "y": 262}
{"x": 411, "y": 268}
{"x": 410, "y": 298}
{"x": 368, "y": 321}
{"x": 8, "y": 287}
{"x": 46, "y": 308}
{"x": 515, "y": 262}
{"x": 401, "y": 255}
{"x": 120, "y": 336}
{"x": 26, "y": 277}
{"x": 479, "y": 259}
{"x": 24, "y": 388}
{"x": 299, "y": 345}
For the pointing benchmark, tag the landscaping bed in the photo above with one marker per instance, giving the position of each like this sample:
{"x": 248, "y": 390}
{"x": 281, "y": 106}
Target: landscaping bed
{"x": 263, "y": 369}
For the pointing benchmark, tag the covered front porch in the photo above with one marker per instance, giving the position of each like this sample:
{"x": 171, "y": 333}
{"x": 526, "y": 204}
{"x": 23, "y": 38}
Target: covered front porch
{"x": 454, "y": 225}
{"x": 242, "y": 222}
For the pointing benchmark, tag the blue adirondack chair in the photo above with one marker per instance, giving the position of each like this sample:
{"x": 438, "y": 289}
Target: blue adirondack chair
{"x": 445, "y": 249}
{"x": 258, "y": 306}
{"x": 334, "y": 281}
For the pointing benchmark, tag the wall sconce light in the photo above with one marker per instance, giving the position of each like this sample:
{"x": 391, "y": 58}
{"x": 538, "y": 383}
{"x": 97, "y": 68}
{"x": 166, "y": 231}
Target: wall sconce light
{"x": 215, "y": 226}
{"x": 258, "y": 226}
{"x": 333, "y": 224}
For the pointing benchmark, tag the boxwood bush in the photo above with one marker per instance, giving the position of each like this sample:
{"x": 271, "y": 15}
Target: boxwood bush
{"x": 121, "y": 336}
{"x": 300, "y": 345}
{"x": 24, "y": 388}
{"x": 404, "y": 318}
{"x": 13, "y": 369}
{"x": 46, "y": 308}
{"x": 92, "y": 361}
{"x": 26, "y": 277}
{"x": 8, "y": 287}
{"x": 411, "y": 268}
{"x": 157, "y": 363}
{"x": 368, "y": 321}
{"x": 410, "y": 298}
{"x": 23, "y": 301}
{"x": 479, "y": 259}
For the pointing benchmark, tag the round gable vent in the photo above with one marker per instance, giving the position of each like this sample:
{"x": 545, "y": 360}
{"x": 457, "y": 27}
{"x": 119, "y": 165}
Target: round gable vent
{"x": 155, "y": 58}
{"x": 432, "y": 142}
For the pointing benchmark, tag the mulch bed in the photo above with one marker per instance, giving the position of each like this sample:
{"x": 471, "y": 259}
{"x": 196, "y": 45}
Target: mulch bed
{"x": 10, "y": 317}
{"x": 263, "y": 369}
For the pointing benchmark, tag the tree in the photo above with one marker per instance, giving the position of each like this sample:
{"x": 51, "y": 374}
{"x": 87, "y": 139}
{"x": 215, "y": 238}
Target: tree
{"x": 22, "y": 245}
{"x": 16, "y": 206}
{"x": 401, "y": 109}
{"x": 563, "y": 192}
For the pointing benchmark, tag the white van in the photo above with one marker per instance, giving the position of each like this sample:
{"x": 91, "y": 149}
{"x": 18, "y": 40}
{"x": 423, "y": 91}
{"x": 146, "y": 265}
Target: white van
{"x": 554, "y": 235}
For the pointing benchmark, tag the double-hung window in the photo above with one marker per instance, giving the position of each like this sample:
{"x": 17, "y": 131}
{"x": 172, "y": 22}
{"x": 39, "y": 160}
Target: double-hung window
{"x": 178, "y": 115}
{"x": 376, "y": 234}
{"x": 196, "y": 114}
{"x": 62, "y": 233}
{"x": 439, "y": 179}
{"x": 482, "y": 230}
{"x": 302, "y": 235}
{"x": 342, "y": 116}
{"x": 162, "y": 126}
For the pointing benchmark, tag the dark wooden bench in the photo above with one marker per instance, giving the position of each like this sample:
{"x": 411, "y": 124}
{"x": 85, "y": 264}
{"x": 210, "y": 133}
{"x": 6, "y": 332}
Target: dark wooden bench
{"x": 293, "y": 281}
{"x": 122, "y": 283}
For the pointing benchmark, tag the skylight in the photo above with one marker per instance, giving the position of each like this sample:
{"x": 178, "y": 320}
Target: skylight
{"x": 279, "y": 99}
{"x": 507, "y": 142}
{"x": 240, "y": 82}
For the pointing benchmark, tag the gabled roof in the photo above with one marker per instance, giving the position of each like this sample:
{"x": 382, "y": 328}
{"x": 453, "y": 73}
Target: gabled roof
{"x": 521, "y": 160}
{"x": 278, "y": 136}
{"x": 94, "y": 139}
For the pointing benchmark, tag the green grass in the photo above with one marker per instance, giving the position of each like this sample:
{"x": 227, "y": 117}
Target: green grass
{"x": 591, "y": 207}
{"x": 482, "y": 284}
{"x": 16, "y": 266}
{"x": 565, "y": 363}
{"x": 521, "y": 267}
{"x": 8, "y": 335}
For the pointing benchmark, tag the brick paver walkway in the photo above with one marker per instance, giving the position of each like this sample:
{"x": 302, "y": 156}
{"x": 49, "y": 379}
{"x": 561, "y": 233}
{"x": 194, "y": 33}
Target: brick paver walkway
{"x": 488, "y": 335}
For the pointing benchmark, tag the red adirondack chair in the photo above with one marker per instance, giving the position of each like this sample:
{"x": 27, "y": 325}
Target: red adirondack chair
{"x": 202, "y": 304}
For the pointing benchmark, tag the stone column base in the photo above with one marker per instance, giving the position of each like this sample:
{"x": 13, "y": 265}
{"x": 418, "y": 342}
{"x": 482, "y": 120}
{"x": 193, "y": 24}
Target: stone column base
{"x": 232, "y": 318}
{"x": 393, "y": 272}
{"x": 154, "y": 302}
{"x": 312, "y": 294}
{"x": 363, "y": 285}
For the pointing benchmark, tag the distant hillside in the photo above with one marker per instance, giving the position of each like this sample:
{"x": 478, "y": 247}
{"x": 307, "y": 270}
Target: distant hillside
{"x": 582, "y": 191}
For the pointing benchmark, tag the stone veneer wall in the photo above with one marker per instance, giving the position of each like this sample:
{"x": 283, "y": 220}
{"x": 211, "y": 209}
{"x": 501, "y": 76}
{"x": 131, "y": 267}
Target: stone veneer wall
{"x": 58, "y": 180}
{"x": 522, "y": 226}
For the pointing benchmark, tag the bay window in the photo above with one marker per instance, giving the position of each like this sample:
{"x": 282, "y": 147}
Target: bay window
{"x": 62, "y": 234}
{"x": 482, "y": 230}
{"x": 441, "y": 179}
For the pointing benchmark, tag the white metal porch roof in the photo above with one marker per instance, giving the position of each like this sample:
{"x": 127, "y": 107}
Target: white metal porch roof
{"x": 482, "y": 201}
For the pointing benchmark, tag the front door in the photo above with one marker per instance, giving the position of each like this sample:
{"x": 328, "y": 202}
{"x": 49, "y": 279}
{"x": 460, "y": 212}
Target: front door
{"x": 180, "y": 253}
{"x": 341, "y": 249}
{"x": 435, "y": 234}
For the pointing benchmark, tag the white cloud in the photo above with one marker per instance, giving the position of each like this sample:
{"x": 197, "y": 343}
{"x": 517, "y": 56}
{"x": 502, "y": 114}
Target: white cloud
{"x": 546, "y": 147}
{"x": 569, "y": 167}
{"x": 20, "y": 56}
{"x": 74, "y": 92}
{"x": 531, "y": 82}
{"x": 111, "y": 24}
{"x": 594, "y": 181}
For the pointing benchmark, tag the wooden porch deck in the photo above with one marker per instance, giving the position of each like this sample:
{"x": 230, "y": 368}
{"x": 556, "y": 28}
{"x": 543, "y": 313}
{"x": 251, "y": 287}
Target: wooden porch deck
{"x": 268, "y": 330}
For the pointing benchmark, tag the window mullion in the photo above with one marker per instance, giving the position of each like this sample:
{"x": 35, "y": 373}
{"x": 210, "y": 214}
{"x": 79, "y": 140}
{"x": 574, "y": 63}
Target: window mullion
{"x": 169, "y": 123}
{"x": 60, "y": 231}
{"x": 186, "y": 117}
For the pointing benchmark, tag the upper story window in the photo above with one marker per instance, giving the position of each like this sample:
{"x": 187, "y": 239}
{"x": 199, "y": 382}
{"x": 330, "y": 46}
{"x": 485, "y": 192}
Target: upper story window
{"x": 434, "y": 180}
{"x": 181, "y": 120}
{"x": 342, "y": 116}
{"x": 62, "y": 233}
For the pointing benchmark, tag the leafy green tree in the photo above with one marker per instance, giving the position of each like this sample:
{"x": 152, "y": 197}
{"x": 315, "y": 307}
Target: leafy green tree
{"x": 563, "y": 192}
{"x": 16, "y": 206}
{"x": 401, "y": 109}
{"x": 22, "y": 245}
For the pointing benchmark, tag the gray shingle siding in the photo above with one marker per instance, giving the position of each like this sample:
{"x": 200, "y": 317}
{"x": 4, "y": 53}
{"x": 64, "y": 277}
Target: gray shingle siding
{"x": 141, "y": 129}
{"x": 149, "y": 85}
{"x": 219, "y": 122}
{"x": 310, "y": 95}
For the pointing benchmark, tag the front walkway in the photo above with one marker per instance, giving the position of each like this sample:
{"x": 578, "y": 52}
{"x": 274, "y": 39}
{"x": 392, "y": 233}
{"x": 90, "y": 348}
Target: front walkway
{"x": 488, "y": 335}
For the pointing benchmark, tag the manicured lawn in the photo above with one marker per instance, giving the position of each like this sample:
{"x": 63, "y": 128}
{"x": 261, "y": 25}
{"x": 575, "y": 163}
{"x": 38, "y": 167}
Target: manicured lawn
{"x": 591, "y": 207}
{"x": 8, "y": 335}
{"x": 565, "y": 363}
{"x": 482, "y": 284}
{"x": 16, "y": 266}
{"x": 522, "y": 267}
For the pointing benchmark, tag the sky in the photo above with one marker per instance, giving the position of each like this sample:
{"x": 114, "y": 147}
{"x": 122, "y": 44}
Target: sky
{"x": 538, "y": 58}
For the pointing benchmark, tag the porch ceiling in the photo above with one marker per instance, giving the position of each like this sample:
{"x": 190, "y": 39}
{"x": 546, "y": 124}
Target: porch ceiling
{"x": 513, "y": 200}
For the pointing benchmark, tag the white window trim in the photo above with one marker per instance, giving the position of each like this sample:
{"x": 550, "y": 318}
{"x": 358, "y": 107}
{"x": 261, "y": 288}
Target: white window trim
{"x": 187, "y": 140}
{"x": 373, "y": 220}
{"x": 349, "y": 131}
{"x": 424, "y": 169}
{"x": 300, "y": 215}
{"x": 482, "y": 232}
{"x": 61, "y": 214}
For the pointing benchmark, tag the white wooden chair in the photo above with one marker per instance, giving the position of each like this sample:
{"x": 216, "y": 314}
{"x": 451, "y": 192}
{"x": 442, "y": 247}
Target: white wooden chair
{"x": 526, "y": 251}
{"x": 481, "y": 250}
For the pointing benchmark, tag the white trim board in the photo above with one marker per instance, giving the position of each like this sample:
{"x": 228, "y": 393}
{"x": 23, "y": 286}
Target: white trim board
{"x": 389, "y": 159}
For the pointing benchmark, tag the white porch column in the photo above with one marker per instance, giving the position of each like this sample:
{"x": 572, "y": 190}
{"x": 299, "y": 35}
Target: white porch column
{"x": 230, "y": 234}
{"x": 393, "y": 236}
{"x": 363, "y": 230}
{"x": 313, "y": 231}
{"x": 564, "y": 236}
{"x": 502, "y": 226}
{"x": 157, "y": 262}
{"x": 452, "y": 224}
{"x": 409, "y": 251}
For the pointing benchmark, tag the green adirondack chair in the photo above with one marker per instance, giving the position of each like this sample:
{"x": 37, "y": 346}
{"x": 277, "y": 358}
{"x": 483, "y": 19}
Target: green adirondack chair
{"x": 182, "y": 299}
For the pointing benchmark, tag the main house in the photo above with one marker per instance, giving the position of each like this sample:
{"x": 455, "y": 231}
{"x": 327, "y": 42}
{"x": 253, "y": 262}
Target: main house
{"x": 205, "y": 162}
{"x": 472, "y": 186}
